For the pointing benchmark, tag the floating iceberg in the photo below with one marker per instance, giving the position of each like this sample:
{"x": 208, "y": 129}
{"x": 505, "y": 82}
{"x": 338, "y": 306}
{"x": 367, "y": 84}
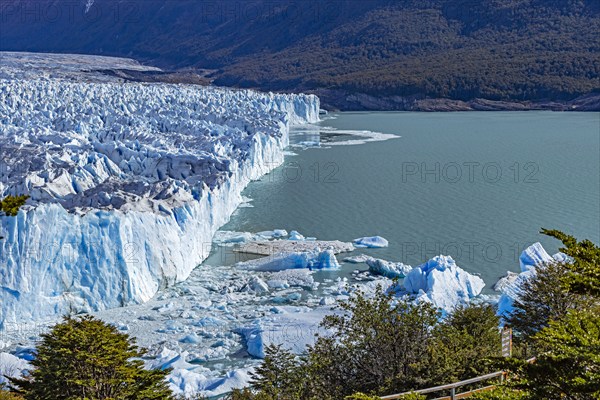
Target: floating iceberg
{"x": 372, "y": 241}
{"x": 506, "y": 281}
{"x": 191, "y": 383}
{"x": 294, "y": 235}
{"x": 271, "y": 247}
{"x": 292, "y": 277}
{"x": 387, "y": 268}
{"x": 359, "y": 259}
{"x": 443, "y": 283}
{"x": 276, "y": 233}
{"x": 281, "y": 261}
{"x": 128, "y": 182}
{"x": 229, "y": 238}
{"x": 192, "y": 379}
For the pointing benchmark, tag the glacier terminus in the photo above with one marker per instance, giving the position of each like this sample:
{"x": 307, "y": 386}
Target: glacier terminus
{"x": 128, "y": 182}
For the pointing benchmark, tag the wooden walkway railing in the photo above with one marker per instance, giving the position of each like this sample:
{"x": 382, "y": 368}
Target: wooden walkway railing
{"x": 452, "y": 387}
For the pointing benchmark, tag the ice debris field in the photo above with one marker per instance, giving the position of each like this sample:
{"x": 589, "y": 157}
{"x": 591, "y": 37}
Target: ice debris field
{"x": 129, "y": 185}
{"x": 212, "y": 329}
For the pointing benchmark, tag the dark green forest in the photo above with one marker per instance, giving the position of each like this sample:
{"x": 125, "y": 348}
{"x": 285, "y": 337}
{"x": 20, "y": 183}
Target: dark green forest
{"x": 501, "y": 50}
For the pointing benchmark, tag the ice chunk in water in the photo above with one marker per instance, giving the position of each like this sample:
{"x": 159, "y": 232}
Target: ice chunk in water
{"x": 371, "y": 241}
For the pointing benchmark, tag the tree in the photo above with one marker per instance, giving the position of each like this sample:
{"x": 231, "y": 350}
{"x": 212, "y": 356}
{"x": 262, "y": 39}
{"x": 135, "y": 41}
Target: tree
{"x": 584, "y": 272}
{"x": 542, "y": 299}
{"x": 278, "y": 376}
{"x": 5, "y": 395}
{"x": 462, "y": 344}
{"x": 85, "y": 358}
{"x": 11, "y": 204}
{"x": 377, "y": 345}
{"x": 567, "y": 342}
{"x": 567, "y": 366}
{"x": 500, "y": 393}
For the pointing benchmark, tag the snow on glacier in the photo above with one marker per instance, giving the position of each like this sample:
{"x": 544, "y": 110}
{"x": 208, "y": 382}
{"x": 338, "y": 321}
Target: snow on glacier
{"x": 128, "y": 181}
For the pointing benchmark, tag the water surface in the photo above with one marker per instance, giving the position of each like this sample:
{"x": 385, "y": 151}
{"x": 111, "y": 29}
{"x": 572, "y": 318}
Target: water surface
{"x": 477, "y": 186}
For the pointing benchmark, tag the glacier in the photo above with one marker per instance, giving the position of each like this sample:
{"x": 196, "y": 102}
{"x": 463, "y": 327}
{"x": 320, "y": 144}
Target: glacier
{"x": 128, "y": 181}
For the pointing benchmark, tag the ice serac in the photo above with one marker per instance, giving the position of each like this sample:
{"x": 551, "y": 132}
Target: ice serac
{"x": 534, "y": 255}
{"x": 443, "y": 283}
{"x": 128, "y": 182}
{"x": 532, "y": 258}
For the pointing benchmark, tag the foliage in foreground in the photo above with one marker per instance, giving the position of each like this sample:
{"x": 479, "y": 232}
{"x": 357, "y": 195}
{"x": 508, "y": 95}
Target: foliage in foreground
{"x": 85, "y": 358}
{"x": 566, "y": 338}
{"x": 11, "y": 204}
{"x": 567, "y": 362}
{"x": 584, "y": 274}
{"x": 500, "y": 393}
{"x": 542, "y": 299}
{"x": 380, "y": 345}
{"x": 383, "y": 345}
{"x": 4, "y": 395}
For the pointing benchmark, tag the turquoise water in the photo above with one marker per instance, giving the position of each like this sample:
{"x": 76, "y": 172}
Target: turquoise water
{"x": 477, "y": 186}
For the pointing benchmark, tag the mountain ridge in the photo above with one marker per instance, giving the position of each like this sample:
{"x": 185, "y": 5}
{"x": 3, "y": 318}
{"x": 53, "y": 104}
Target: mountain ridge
{"x": 522, "y": 53}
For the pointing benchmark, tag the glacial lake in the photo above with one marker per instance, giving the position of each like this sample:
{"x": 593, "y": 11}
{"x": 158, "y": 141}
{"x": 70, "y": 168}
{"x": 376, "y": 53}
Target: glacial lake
{"x": 477, "y": 186}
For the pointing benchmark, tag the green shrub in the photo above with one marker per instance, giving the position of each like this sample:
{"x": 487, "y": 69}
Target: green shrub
{"x": 85, "y": 358}
{"x": 11, "y": 204}
{"x": 500, "y": 393}
{"x": 361, "y": 396}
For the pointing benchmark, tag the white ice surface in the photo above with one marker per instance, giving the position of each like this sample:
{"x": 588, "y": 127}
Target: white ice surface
{"x": 534, "y": 255}
{"x": 292, "y": 327}
{"x": 11, "y": 366}
{"x": 532, "y": 258}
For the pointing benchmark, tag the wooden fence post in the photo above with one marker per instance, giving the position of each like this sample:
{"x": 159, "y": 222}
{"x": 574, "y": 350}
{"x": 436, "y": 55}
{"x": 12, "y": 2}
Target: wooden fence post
{"x": 506, "y": 342}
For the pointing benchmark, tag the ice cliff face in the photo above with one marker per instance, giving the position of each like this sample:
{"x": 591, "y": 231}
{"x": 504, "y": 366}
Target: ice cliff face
{"x": 128, "y": 183}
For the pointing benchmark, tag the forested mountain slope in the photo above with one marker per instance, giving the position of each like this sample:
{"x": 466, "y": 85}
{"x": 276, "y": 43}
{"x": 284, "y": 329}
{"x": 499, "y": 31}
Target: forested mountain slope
{"x": 354, "y": 54}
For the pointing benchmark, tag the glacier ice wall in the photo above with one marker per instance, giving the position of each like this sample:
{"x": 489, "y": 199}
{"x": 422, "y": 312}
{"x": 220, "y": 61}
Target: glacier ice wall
{"x": 128, "y": 184}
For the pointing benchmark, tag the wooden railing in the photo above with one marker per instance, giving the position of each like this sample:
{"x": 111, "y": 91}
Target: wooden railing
{"x": 452, "y": 387}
